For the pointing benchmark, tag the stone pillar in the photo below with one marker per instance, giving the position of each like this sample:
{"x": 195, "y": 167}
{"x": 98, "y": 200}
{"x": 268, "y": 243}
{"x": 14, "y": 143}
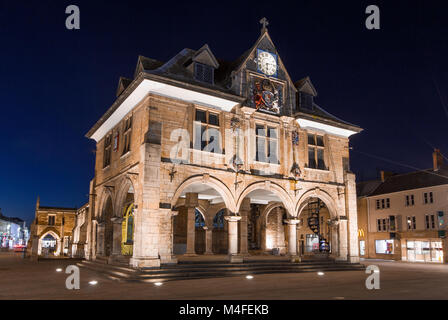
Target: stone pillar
{"x": 244, "y": 212}
{"x": 100, "y": 239}
{"x": 342, "y": 237}
{"x": 166, "y": 236}
{"x": 60, "y": 249}
{"x": 191, "y": 202}
{"x": 208, "y": 241}
{"x": 117, "y": 234}
{"x": 35, "y": 247}
{"x": 292, "y": 236}
{"x": 445, "y": 249}
{"x": 352, "y": 216}
{"x": 233, "y": 238}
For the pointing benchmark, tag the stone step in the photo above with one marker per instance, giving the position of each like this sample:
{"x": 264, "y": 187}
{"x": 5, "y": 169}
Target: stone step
{"x": 198, "y": 271}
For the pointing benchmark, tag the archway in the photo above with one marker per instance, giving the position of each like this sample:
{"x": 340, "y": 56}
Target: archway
{"x": 49, "y": 244}
{"x": 107, "y": 239}
{"x": 316, "y": 235}
{"x": 180, "y": 232}
{"x": 219, "y": 233}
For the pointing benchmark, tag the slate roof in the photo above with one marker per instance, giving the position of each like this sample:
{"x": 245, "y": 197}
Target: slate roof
{"x": 412, "y": 180}
{"x": 365, "y": 188}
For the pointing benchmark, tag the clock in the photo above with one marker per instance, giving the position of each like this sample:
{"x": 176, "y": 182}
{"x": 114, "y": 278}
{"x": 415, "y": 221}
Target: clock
{"x": 267, "y": 62}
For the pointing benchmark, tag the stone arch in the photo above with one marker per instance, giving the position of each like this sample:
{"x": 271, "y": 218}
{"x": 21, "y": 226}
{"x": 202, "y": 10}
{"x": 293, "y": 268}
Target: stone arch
{"x": 267, "y": 210}
{"x": 322, "y": 195}
{"x": 125, "y": 185}
{"x": 54, "y": 233}
{"x": 105, "y": 195}
{"x": 285, "y": 198}
{"x": 210, "y": 181}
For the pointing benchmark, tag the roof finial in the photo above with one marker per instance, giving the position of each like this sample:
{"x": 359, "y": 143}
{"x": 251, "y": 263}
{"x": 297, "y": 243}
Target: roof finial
{"x": 264, "y": 22}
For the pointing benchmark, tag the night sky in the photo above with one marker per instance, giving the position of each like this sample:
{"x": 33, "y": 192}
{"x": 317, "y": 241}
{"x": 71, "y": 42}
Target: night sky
{"x": 56, "y": 83}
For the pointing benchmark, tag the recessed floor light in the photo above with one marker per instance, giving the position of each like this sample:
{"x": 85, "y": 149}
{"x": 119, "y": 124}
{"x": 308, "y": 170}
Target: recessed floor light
{"x": 320, "y": 273}
{"x": 249, "y": 277}
{"x": 158, "y": 284}
{"x": 58, "y": 270}
{"x": 93, "y": 282}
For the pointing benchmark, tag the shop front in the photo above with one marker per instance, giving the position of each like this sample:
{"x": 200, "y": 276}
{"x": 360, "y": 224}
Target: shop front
{"x": 422, "y": 250}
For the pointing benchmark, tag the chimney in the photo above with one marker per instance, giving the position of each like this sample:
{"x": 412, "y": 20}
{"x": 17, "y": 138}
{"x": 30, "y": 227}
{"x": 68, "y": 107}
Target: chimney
{"x": 385, "y": 175}
{"x": 437, "y": 159}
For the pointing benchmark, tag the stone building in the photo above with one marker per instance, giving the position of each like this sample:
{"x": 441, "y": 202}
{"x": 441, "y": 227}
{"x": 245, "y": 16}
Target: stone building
{"x": 78, "y": 244}
{"x": 403, "y": 216}
{"x": 198, "y": 155}
{"x": 51, "y": 230}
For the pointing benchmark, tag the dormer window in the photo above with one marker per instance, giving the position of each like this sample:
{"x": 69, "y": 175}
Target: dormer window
{"x": 203, "y": 73}
{"x": 306, "y": 101}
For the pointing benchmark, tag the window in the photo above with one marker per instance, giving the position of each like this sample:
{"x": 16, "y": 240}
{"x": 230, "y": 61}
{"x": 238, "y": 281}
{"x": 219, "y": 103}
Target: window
{"x": 51, "y": 220}
{"x": 411, "y": 222}
{"x": 410, "y": 200}
{"x": 127, "y": 129}
{"x": 383, "y": 203}
{"x": 382, "y": 225}
{"x": 198, "y": 219}
{"x": 266, "y": 144}
{"x": 218, "y": 220}
{"x": 107, "y": 150}
{"x": 428, "y": 198}
{"x": 203, "y": 73}
{"x": 306, "y": 101}
{"x": 207, "y": 134}
{"x": 384, "y": 246}
{"x": 430, "y": 221}
{"x": 316, "y": 152}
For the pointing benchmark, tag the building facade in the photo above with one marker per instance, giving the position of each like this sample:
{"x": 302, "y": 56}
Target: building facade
{"x": 204, "y": 156}
{"x": 51, "y": 231}
{"x": 12, "y": 232}
{"x": 403, "y": 217}
{"x": 78, "y": 244}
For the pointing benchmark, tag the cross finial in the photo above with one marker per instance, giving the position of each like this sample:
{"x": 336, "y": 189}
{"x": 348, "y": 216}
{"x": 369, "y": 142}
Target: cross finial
{"x": 265, "y": 23}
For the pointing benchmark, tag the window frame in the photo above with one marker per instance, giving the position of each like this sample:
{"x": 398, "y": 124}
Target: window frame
{"x": 127, "y": 134}
{"x": 198, "y": 124}
{"x": 107, "y": 154}
{"x": 267, "y": 137}
{"x": 316, "y": 148}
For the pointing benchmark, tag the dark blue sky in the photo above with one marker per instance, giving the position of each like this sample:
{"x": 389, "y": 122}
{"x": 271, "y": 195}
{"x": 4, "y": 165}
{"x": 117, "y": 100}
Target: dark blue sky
{"x": 56, "y": 83}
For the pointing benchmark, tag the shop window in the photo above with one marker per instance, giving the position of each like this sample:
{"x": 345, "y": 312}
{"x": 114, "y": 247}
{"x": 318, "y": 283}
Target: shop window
{"x": 384, "y": 246}
{"x": 362, "y": 248}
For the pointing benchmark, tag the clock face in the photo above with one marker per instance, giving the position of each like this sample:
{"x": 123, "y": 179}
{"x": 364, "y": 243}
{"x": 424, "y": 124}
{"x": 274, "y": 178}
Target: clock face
{"x": 267, "y": 62}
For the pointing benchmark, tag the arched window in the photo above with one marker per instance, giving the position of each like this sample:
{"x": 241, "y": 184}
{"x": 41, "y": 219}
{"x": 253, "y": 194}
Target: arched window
{"x": 218, "y": 220}
{"x": 127, "y": 230}
{"x": 199, "y": 219}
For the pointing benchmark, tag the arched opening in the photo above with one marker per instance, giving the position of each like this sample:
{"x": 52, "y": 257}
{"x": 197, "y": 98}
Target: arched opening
{"x": 315, "y": 232}
{"x": 264, "y": 208}
{"x": 107, "y": 215}
{"x": 220, "y": 233}
{"x": 276, "y": 231}
{"x": 127, "y": 223}
{"x": 180, "y": 232}
{"x": 49, "y": 244}
{"x": 197, "y": 201}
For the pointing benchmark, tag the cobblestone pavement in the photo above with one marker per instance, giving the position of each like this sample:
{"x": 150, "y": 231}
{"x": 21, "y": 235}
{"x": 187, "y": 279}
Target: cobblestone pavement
{"x": 23, "y": 279}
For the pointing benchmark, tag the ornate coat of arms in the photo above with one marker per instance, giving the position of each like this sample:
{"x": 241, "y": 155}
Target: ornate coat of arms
{"x": 265, "y": 95}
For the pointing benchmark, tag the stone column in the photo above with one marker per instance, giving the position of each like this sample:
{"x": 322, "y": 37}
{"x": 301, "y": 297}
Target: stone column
{"x": 100, "y": 239}
{"x": 60, "y": 249}
{"x": 233, "y": 238}
{"x": 191, "y": 202}
{"x": 116, "y": 239}
{"x": 352, "y": 216}
{"x": 166, "y": 236}
{"x": 36, "y": 247}
{"x": 342, "y": 237}
{"x": 244, "y": 212}
{"x": 208, "y": 241}
{"x": 292, "y": 236}
{"x": 445, "y": 249}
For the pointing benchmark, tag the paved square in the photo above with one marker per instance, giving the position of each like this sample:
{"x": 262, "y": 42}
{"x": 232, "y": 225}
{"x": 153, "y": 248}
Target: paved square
{"x": 23, "y": 279}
